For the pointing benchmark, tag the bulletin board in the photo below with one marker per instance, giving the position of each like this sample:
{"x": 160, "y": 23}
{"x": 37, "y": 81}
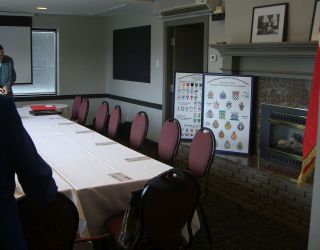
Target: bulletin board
{"x": 132, "y": 54}
{"x": 227, "y": 106}
{"x": 188, "y": 102}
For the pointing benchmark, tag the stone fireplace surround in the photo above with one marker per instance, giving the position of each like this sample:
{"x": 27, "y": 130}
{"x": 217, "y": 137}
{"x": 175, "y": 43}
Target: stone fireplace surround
{"x": 283, "y": 74}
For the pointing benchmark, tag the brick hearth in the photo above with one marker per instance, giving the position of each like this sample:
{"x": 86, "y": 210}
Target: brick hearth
{"x": 260, "y": 186}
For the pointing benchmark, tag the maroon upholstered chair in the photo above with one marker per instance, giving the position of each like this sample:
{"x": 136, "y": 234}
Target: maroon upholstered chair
{"x": 83, "y": 111}
{"x": 202, "y": 149}
{"x": 139, "y": 129}
{"x": 114, "y": 122}
{"x": 169, "y": 140}
{"x": 167, "y": 204}
{"x": 75, "y": 107}
{"x": 48, "y": 225}
{"x": 100, "y": 120}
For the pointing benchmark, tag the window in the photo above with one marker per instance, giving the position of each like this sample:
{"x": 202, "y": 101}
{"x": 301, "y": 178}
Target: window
{"x": 44, "y": 64}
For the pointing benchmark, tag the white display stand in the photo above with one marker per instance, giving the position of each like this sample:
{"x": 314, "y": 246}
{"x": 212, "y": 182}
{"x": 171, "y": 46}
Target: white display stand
{"x": 227, "y": 111}
{"x": 188, "y": 102}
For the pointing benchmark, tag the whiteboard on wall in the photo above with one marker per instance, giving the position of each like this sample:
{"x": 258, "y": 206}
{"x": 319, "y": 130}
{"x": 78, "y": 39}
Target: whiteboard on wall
{"x": 188, "y": 102}
{"x": 227, "y": 109}
{"x": 16, "y": 42}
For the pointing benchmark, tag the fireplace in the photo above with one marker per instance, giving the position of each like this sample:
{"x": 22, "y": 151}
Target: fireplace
{"x": 281, "y": 134}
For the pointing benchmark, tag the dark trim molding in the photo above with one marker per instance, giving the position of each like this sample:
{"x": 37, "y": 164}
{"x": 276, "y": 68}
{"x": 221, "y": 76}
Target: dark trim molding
{"x": 53, "y": 97}
{"x": 135, "y": 101}
{"x": 66, "y": 97}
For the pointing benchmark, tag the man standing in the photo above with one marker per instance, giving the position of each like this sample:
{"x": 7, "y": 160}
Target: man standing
{"x": 7, "y": 73}
{"x": 18, "y": 155}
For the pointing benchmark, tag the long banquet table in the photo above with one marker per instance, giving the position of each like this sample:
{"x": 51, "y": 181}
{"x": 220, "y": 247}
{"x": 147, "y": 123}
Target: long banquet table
{"x": 97, "y": 173}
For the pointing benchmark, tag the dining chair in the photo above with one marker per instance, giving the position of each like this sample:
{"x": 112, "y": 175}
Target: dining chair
{"x": 48, "y": 225}
{"x": 100, "y": 120}
{"x": 83, "y": 111}
{"x": 139, "y": 129}
{"x": 201, "y": 153}
{"x": 167, "y": 203}
{"x": 169, "y": 140}
{"x": 75, "y": 107}
{"x": 114, "y": 122}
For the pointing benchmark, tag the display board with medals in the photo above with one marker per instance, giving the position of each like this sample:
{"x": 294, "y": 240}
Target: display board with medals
{"x": 188, "y": 102}
{"x": 227, "y": 111}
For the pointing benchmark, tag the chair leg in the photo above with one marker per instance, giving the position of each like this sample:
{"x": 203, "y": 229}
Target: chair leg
{"x": 204, "y": 219}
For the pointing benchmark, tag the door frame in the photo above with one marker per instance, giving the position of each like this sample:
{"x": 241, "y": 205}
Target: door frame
{"x": 166, "y": 41}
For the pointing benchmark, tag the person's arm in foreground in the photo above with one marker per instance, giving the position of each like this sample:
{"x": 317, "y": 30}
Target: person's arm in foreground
{"x": 18, "y": 155}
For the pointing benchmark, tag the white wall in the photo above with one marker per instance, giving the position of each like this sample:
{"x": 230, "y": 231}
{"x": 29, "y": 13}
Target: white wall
{"x": 136, "y": 90}
{"x": 237, "y": 25}
{"x": 81, "y": 60}
{"x": 239, "y": 18}
{"x": 216, "y": 34}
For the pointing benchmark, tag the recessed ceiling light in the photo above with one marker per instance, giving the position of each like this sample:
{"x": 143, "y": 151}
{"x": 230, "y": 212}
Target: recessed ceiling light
{"x": 41, "y": 8}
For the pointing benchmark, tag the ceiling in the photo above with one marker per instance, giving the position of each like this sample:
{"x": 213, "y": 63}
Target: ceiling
{"x": 75, "y": 7}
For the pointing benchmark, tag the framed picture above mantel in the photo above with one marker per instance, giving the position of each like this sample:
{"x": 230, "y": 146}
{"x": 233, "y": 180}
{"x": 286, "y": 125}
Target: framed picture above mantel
{"x": 269, "y": 23}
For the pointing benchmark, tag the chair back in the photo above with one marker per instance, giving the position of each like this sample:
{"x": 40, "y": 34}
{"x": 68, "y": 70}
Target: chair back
{"x": 75, "y": 107}
{"x": 83, "y": 111}
{"x": 51, "y": 225}
{"x": 201, "y": 152}
{"x": 139, "y": 129}
{"x": 114, "y": 122}
{"x": 168, "y": 203}
{"x": 101, "y": 117}
{"x": 169, "y": 140}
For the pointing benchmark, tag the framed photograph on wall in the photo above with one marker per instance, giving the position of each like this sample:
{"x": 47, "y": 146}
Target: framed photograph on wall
{"x": 269, "y": 23}
{"x": 314, "y": 33}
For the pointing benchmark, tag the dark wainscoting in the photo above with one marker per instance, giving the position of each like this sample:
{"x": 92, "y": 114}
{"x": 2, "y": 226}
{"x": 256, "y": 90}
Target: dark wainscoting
{"x": 66, "y": 97}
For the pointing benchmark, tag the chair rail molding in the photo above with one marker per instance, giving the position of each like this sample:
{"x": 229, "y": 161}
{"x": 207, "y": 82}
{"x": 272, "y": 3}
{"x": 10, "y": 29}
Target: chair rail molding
{"x": 284, "y": 60}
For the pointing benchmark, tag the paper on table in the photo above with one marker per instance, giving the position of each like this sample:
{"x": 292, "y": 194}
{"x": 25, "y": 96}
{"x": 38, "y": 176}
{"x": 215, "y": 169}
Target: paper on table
{"x": 65, "y": 123}
{"x": 120, "y": 177}
{"x": 56, "y": 117}
{"x": 105, "y": 143}
{"x": 84, "y": 131}
{"x": 140, "y": 158}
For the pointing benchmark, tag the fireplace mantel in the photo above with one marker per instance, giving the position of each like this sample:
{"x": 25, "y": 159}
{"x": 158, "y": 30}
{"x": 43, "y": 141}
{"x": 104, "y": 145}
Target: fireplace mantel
{"x": 284, "y": 60}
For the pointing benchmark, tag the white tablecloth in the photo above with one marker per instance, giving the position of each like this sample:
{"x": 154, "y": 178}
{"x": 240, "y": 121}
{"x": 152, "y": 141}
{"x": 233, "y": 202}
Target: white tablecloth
{"x": 95, "y": 171}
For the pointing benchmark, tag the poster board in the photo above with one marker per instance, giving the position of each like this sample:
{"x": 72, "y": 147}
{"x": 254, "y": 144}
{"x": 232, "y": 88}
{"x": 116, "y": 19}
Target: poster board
{"x": 188, "y": 102}
{"x": 227, "y": 106}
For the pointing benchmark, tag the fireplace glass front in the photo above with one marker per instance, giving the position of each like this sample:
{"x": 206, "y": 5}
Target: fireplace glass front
{"x": 281, "y": 134}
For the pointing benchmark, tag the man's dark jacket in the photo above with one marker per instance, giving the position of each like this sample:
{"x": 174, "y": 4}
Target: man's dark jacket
{"x": 18, "y": 155}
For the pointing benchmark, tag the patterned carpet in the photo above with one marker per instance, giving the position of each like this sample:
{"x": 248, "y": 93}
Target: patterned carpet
{"x": 235, "y": 227}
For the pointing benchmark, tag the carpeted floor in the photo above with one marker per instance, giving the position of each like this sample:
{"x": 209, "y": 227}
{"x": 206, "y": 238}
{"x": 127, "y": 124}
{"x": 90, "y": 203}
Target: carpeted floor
{"x": 235, "y": 227}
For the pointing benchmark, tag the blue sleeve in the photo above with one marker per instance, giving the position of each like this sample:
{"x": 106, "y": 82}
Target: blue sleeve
{"x": 18, "y": 155}
{"x": 34, "y": 174}
{"x": 13, "y": 75}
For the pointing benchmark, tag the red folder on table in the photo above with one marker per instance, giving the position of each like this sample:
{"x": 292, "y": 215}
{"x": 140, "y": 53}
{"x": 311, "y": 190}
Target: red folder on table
{"x": 43, "y": 107}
